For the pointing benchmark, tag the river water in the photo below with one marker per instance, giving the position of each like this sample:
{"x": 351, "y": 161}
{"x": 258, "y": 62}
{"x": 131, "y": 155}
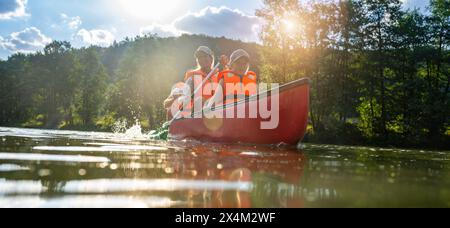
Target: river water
{"x": 50, "y": 168}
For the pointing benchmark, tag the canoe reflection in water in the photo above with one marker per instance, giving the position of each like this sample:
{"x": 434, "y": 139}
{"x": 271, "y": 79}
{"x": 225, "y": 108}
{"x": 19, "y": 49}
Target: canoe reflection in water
{"x": 262, "y": 177}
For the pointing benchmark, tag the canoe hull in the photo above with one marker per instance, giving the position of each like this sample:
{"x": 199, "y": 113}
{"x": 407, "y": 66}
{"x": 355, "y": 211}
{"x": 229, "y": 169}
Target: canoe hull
{"x": 291, "y": 128}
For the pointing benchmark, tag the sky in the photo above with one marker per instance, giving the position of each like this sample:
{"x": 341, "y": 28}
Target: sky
{"x": 28, "y": 25}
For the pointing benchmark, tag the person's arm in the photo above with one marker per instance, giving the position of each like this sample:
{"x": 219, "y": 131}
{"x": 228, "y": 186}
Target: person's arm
{"x": 168, "y": 102}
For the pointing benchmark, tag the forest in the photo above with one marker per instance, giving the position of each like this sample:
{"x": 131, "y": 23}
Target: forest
{"x": 380, "y": 73}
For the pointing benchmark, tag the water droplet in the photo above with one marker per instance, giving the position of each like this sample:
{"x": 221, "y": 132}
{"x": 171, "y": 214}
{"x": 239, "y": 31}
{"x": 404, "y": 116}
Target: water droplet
{"x": 82, "y": 172}
{"x": 113, "y": 166}
{"x": 169, "y": 170}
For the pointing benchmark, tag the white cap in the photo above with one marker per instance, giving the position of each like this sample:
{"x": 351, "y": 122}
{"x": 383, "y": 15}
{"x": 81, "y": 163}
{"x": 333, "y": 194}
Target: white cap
{"x": 237, "y": 55}
{"x": 205, "y": 50}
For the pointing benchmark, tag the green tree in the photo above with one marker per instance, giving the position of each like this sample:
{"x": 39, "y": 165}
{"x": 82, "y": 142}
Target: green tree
{"x": 380, "y": 18}
{"x": 56, "y": 86}
{"x": 438, "y": 78}
{"x": 91, "y": 88}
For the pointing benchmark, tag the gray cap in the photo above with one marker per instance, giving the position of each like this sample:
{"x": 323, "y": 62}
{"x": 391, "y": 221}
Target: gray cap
{"x": 205, "y": 50}
{"x": 237, "y": 55}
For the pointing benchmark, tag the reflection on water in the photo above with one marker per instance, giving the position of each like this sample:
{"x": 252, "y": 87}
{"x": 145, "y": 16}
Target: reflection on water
{"x": 123, "y": 185}
{"x": 12, "y": 167}
{"x": 44, "y": 168}
{"x": 104, "y": 148}
{"x": 48, "y": 157}
{"x": 101, "y": 201}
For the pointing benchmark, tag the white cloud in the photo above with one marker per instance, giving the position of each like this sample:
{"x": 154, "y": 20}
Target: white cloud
{"x": 113, "y": 30}
{"x": 71, "y": 22}
{"x": 27, "y": 41}
{"x": 211, "y": 21}
{"x": 96, "y": 37}
{"x": 12, "y": 8}
{"x": 161, "y": 30}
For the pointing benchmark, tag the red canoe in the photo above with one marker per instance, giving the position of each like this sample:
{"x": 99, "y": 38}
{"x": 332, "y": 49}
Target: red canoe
{"x": 293, "y": 120}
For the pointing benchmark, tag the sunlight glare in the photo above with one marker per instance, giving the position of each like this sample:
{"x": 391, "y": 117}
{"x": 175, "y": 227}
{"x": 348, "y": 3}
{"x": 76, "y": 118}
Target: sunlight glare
{"x": 288, "y": 25}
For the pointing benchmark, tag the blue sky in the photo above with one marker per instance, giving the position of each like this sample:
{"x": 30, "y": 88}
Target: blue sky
{"x": 27, "y": 25}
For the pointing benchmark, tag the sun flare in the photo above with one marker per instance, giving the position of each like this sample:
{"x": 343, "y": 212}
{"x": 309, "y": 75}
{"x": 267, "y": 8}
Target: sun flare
{"x": 288, "y": 25}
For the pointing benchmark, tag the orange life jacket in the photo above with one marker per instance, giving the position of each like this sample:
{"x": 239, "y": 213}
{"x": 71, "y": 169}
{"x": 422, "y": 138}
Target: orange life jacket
{"x": 236, "y": 88}
{"x": 208, "y": 87}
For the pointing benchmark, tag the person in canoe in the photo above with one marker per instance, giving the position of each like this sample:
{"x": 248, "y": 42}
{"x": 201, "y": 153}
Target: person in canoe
{"x": 192, "y": 80}
{"x": 235, "y": 83}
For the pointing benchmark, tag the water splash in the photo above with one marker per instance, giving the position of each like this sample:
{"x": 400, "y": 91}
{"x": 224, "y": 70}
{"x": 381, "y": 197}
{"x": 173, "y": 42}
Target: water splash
{"x": 120, "y": 126}
{"x": 135, "y": 132}
{"x": 121, "y": 130}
